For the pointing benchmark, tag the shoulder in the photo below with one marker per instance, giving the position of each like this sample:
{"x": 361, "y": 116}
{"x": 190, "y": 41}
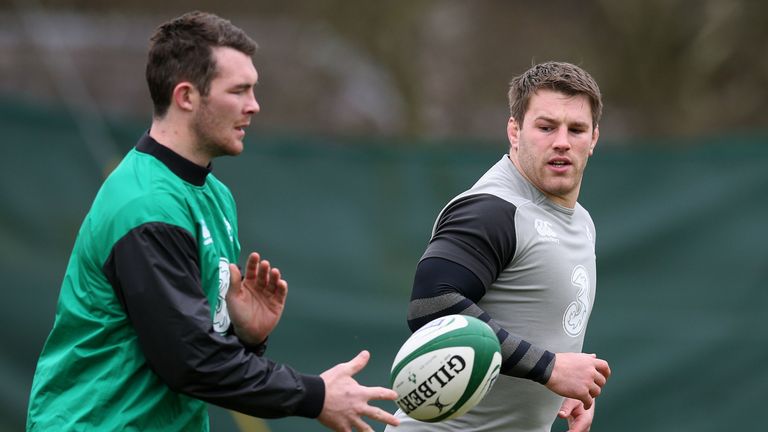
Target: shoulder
{"x": 139, "y": 192}
{"x": 580, "y": 211}
{"x": 479, "y": 219}
{"x": 215, "y": 183}
{"x": 485, "y": 207}
{"x": 582, "y": 217}
{"x": 219, "y": 189}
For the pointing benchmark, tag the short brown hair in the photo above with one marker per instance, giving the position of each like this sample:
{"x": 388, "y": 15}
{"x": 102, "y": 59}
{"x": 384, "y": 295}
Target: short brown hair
{"x": 181, "y": 50}
{"x": 565, "y": 78}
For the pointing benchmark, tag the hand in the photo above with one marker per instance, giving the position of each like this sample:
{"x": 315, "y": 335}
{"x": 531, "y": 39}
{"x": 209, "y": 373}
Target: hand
{"x": 255, "y": 303}
{"x": 579, "y": 376}
{"x": 346, "y": 401}
{"x": 579, "y": 419}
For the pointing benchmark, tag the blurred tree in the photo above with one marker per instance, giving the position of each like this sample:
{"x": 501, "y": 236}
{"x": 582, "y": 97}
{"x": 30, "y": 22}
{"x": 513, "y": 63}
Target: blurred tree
{"x": 439, "y": 68}
{"x": 685, "y": 67}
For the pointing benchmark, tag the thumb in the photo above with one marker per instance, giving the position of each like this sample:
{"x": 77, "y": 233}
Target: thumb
{"x": 234, "y": 274}
{"x": 565, "y": 411}
{"x": 235, "y": 281}
{"x": 358, "y": 363}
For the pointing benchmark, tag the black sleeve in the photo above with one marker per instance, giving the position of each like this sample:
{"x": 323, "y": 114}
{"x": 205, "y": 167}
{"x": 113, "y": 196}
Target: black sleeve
{"x": 155, "y": 272}
{"x": 477, "y": 231}
{"x": 474, "y": 241}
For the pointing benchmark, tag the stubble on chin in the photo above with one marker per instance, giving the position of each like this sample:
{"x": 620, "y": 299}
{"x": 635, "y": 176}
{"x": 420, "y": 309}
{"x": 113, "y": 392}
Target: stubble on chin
{"x": 211, "y": 136}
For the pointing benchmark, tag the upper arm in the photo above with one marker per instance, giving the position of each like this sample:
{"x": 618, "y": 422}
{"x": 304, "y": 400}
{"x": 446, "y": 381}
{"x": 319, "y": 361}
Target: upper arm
{"x": 478, "y": 232}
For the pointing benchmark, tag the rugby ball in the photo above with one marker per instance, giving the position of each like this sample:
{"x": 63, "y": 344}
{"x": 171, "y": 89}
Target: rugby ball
{"x": 445, "y": 368}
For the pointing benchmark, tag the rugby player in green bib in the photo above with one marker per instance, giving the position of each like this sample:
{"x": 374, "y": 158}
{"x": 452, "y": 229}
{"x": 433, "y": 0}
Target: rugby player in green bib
{"x": 154, "y": 319}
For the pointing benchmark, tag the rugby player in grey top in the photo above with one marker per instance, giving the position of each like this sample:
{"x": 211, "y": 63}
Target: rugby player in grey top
{"x": 518, "y": 251}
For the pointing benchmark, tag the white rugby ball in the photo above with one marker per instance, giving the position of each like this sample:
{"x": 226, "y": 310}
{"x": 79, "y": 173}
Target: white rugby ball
{"x": 445, "y": 368}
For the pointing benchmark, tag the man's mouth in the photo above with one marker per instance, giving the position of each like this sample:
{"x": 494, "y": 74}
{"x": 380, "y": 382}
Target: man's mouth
{"x": 559, "y": 165}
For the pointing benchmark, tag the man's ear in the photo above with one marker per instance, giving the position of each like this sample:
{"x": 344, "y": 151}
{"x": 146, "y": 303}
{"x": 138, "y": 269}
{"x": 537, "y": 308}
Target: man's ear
{"x": 185, "y": 96}
{"x": 513, "y": 133}
{"x": 595, "y": 136}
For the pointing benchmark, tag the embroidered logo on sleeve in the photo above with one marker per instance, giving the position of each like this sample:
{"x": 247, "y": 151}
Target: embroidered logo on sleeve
{"x": 221, "y": 316}
{"x": 229, "y": 230}
{"x": 207, "y": 239}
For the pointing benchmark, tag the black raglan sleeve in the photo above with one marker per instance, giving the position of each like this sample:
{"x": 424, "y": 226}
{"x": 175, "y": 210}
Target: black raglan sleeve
{"x": 474, "y": 241}
{"x": 155, "y": 272}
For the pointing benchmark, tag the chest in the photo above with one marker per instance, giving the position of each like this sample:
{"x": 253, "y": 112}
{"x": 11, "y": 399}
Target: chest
{"x": 548, "y": 288}
{"x": 218, "y": 246}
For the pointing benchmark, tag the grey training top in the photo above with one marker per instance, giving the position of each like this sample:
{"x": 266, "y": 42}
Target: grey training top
{"x": 536, "y": 260}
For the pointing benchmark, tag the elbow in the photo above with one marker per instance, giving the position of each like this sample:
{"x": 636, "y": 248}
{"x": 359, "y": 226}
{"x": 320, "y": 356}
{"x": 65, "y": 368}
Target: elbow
{"x": 415, "y": 319}
{"x": 180, "y": 377}
{"x": 413, "y": 326}
{"x": 180, "y": 380}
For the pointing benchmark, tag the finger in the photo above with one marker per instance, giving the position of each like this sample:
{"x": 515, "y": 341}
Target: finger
{"x": 600, "y": 380}
{"x": 358, "y": 363}
{"x": 565, "y": 411}
{"x": 283, "y": 290}
{"x": 274, "y": 280}
{"x": 278, "y": 287}
{"x": 361, "y": 426}
{"x": 251, "y": 266}
{"x": 380, "y": 393}
{"x": 235, "y": 281}
{"x": 603, "y": 368}
{"x": 587, "y": 401}
{"x": 280, "y": 290}
{"x": 234, "y": 275}
{"x": 578, "y": 424}
{"x": 382, "y": 416}
{"x": 594, "y": 390}
{"x": 262, "y": 276}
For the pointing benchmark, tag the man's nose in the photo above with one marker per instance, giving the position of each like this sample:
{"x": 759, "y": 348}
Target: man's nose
{"x": 562, "y": 139}
{"x": 252, "y": 107}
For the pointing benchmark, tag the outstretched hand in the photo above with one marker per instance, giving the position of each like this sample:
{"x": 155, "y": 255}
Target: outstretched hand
{"x": 256, "y": 302}
{"x": 346, "y": 401}
{"x": 579, "y": 376}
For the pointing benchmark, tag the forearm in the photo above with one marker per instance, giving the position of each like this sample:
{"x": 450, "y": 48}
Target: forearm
{"x": 155, "y": 274}
{"x": 218, "y": 370}
{"x": 442, "y": 287}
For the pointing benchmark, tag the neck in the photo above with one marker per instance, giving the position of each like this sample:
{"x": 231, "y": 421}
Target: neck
{"x": 557, "y": 199}
{"x": 178, "y": 138}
